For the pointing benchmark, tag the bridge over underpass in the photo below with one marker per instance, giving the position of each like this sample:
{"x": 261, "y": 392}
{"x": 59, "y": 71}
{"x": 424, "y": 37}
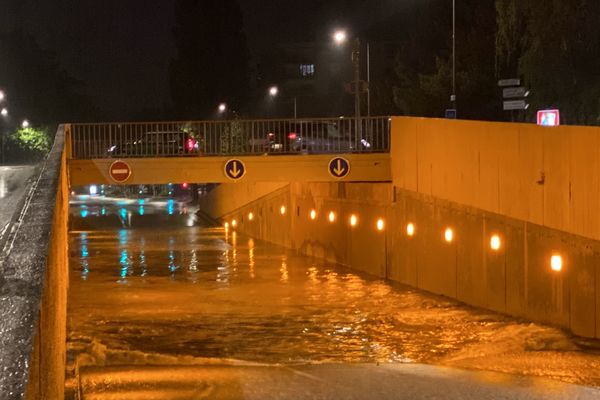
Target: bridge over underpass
{"x": 315, "y": 150}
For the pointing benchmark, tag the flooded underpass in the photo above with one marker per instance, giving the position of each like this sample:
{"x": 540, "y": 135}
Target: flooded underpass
{"x": 162, "y": 305}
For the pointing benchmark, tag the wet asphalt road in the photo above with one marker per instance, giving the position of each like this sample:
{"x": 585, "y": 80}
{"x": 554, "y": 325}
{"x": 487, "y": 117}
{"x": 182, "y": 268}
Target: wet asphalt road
{"x": 13, "y": 187}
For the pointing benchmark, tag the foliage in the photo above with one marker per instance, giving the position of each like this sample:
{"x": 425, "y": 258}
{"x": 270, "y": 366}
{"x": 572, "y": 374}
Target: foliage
{"x": 212, "y": 57}
{"x": 420, "y": 82}
{"x": 555, "y": 47}
{"x": 36, "y": 86}
{"x": 35, "y": 141}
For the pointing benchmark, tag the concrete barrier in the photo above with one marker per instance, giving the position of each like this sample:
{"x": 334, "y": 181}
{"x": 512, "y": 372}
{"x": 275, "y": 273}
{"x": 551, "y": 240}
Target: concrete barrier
{"x": 33, "y": 286}
{"x": 528, "y": 185}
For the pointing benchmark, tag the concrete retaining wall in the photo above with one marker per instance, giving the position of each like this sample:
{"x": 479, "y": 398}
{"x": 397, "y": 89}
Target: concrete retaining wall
{"x": 33, "y": 289}
{"x": 536, "y": 188}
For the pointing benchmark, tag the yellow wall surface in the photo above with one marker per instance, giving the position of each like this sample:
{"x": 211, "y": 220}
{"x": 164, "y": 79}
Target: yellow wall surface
{"x": 547, "y": 176}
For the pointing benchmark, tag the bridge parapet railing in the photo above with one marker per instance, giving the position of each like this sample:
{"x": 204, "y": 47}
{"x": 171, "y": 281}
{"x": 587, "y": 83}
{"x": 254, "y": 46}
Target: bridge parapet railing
{"x": 233, "y": 137}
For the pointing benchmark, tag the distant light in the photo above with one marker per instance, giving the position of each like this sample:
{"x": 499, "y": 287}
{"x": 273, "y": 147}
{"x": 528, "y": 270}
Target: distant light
{"x": 222, "y": 107}
{"x": 123, "y": 213}
{"x": 185, "y": 185}
{"x": 380, "y": 224}
{"x": 331, "y": 216}
{"x": 4, "y": 112}
{"x": 233, "y": 223}
{"x": 1, "y": 95}
{"x": 93, "y": 190}
{"x": 353, "y": 220}
{"x": 313, "y": 214}
{"x": 292, "y": 136}
{"x": 495, "y": 242}
{"x": 226, "y": 225}
{"x": 449, "y": 235}
{"x": 410, "y": 229}
{"x": 84, "y": 213}
{"x": 25, "y": 124}
{"x": 250, "y": 216}
{"x": 556, "y": 262}
{"x": 73, "y": 193}
{"x": 340, "y": 36}
{"x": 273, "y": 91}
{"x": 282, "y": 210}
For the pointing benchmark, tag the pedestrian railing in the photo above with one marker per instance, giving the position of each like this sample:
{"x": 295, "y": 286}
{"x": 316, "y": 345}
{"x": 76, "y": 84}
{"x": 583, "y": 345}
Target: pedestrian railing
{"x": 236, "y": 137}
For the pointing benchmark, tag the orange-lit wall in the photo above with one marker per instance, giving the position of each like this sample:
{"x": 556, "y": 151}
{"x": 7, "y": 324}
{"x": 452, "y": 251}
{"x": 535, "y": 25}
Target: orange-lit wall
{"x": 527, "y": 184}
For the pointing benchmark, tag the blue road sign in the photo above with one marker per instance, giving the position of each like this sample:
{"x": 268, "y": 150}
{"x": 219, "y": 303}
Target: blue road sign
{"x": 235, "y": 169}
{"x": 339, "y": 167}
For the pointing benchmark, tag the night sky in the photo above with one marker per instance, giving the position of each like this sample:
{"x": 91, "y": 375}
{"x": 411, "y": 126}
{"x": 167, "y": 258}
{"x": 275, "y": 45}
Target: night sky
{"x": 121, "y": 49}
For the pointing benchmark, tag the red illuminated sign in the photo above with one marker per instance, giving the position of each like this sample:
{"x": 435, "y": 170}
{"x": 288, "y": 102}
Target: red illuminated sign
{"x": 548, "y": 118}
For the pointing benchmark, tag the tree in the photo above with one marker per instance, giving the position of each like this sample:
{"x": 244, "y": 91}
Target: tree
{"x": 212, "y": 57}
{"x": 555, "y": 47}
{"x": 419, "y": 81}
{"x": 35, "y": 85}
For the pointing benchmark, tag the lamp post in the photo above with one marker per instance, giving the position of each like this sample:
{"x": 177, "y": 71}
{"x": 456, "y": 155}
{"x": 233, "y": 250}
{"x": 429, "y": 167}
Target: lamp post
{"x": 341, "y": 37}
{"x": 4, "y": 114}
{"x": 453, "y": 96}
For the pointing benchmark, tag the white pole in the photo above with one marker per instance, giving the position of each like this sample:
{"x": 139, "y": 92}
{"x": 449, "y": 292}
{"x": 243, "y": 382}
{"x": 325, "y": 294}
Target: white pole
{"x": 453, "y": 99}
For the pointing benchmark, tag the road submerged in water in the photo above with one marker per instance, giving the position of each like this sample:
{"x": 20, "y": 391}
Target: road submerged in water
{"x": 163, "y": 307}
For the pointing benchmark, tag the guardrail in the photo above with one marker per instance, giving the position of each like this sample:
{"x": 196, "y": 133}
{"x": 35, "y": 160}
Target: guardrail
{"x": 236, "y": 137}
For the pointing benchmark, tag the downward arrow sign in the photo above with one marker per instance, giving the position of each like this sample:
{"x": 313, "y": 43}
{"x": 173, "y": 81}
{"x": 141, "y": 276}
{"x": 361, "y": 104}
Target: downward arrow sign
{"x": 235, "y": 172}
{"x": 339, "y": 170}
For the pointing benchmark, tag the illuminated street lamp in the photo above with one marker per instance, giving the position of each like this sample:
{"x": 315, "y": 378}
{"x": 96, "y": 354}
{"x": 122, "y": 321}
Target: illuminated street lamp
{"x": 273, "y": 91}
{"x": 1, "y": 95}
{"x": 25, "y": 124}
{"x": 4, "y": 112}
{"x": 222, "y": 108}
{"x": 340, "y": 37}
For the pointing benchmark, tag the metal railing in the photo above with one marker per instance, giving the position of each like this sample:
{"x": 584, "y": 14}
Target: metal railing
{"x": 236, "y": 137}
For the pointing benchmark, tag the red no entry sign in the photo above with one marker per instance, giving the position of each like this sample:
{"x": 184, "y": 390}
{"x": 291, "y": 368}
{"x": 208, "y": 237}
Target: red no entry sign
{"x": 120, "y": 171}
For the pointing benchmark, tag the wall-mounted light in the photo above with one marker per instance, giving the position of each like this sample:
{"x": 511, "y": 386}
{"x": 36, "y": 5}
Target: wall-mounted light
{"x": 313, "y": 214}
{"x": 410, "y": 229}
{"x": 449, "y": 235}
{"x": 331, "y": 216}
{"x": 233, "y": 223}
{"x": 556, "y": 263}
{"x": 353, "y": 220}
{"x": 226, "y": 225}
{"x": 250, "y": 216}
{"x": 282, "y": 210}
{"x": 495, "y": 242}
{"x": 380, "y": 224}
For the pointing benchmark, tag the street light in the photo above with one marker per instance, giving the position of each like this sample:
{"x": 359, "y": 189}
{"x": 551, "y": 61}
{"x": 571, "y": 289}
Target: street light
{"x": 340, "y": 37}
{"x": 273, "y": 91}
{"x": 222, "y": 108}
{"x": 4, "y": 112}
{"x": 1, "y": 95}
{"x": 25, "y": 124}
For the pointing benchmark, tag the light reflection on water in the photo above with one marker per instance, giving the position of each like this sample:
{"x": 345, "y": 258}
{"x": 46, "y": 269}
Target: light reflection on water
{"x": 225, "y": 295}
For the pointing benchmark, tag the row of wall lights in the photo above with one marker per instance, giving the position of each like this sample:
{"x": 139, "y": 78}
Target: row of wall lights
{"x": 556, "y": 261}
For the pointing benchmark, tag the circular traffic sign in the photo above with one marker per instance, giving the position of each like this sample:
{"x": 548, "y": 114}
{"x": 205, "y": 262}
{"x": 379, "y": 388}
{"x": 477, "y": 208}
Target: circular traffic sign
{"x": 119, "y": 171}
{"x": 339, "y": 167}
{"x": 235, "y": 169}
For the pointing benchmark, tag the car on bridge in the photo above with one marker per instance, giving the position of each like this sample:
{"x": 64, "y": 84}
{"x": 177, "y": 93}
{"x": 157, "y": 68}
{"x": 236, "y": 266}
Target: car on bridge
{"x": 310, "y": 137}
{"x": 157, "y": 143}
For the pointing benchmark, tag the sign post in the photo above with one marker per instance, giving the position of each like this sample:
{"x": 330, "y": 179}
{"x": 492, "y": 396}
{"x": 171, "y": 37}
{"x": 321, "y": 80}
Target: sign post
{"x": 119, "y": 171}
{"x": 235, "y": 169}
{"x": 339, "y": 167}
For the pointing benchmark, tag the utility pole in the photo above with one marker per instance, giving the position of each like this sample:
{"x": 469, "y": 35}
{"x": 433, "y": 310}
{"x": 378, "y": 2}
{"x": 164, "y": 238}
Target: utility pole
{"x": 356, "y": 63}
{"x": 368, "y": 80}
{"x": 453, "y": 96}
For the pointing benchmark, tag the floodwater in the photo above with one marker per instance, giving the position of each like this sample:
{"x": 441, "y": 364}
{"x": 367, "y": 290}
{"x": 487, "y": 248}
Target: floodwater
{"x": 152, "y": 285}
